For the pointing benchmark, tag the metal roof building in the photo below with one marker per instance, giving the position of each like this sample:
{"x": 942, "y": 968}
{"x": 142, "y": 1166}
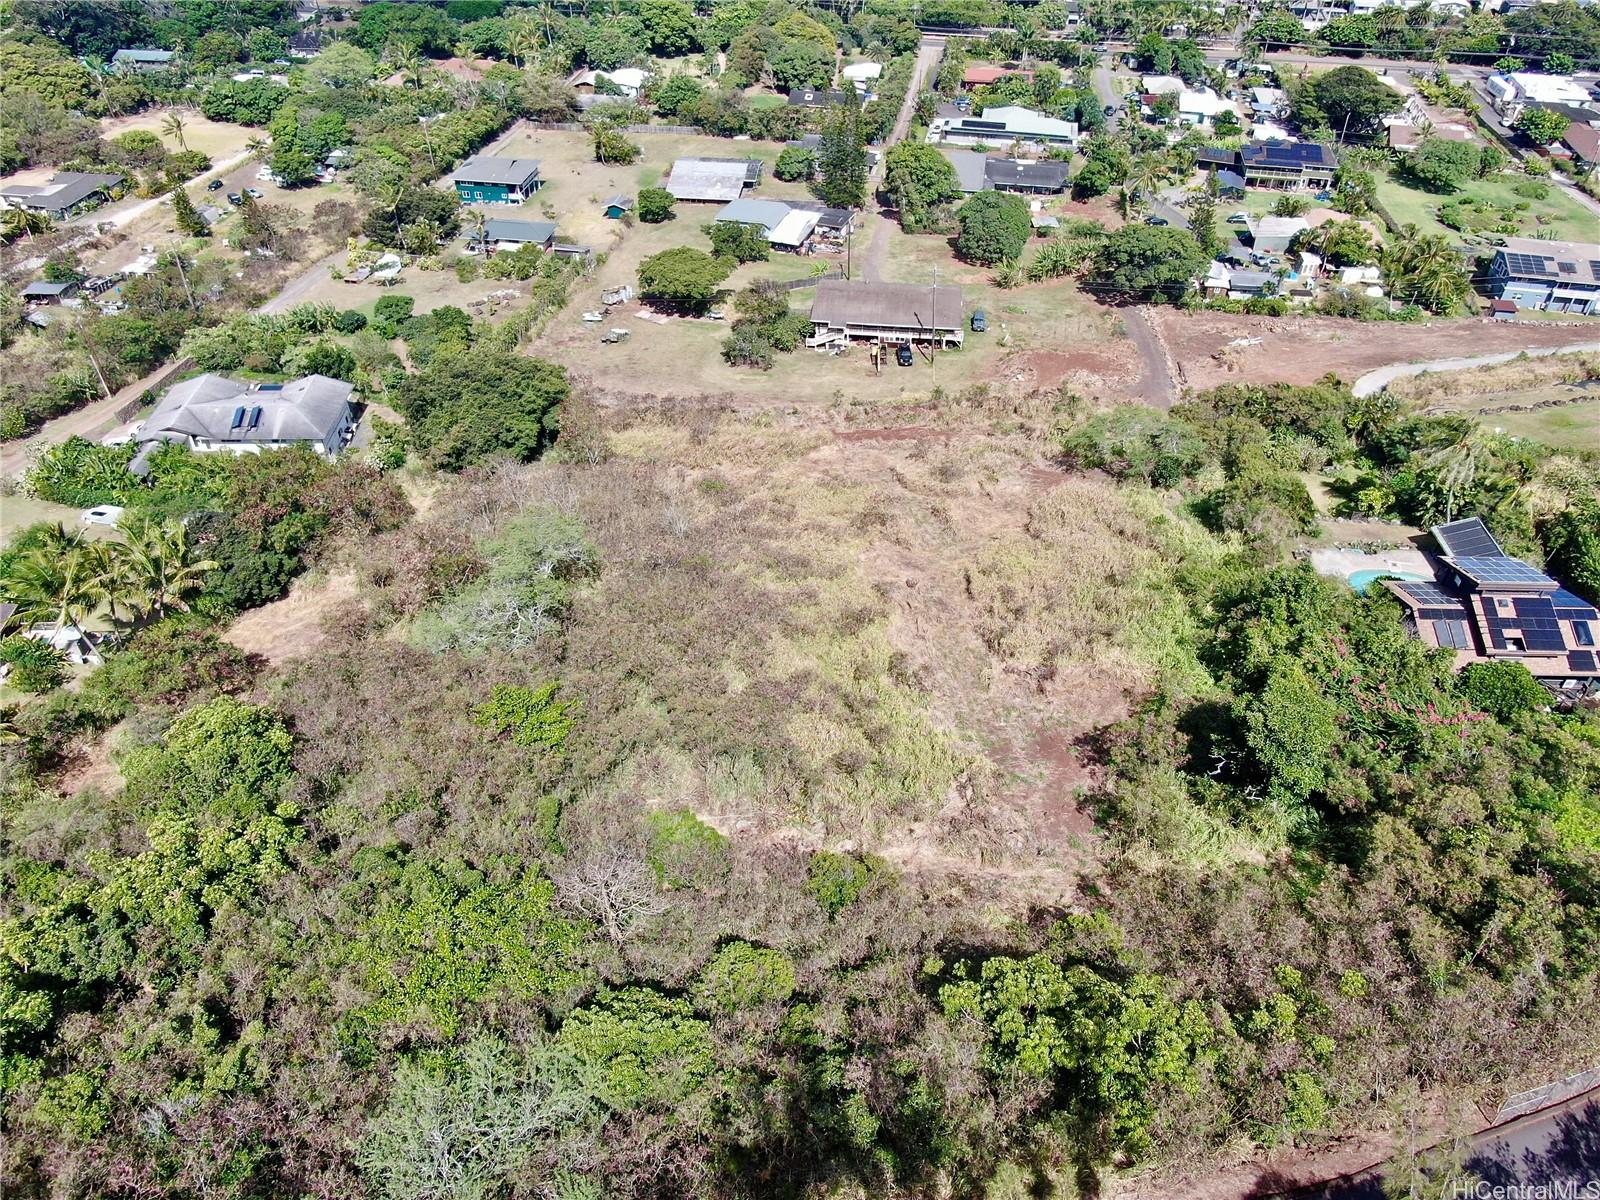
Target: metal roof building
{"x": 712, "y": 178}
{"x": 61, "y": 194}
{"x": 889, "y": 312}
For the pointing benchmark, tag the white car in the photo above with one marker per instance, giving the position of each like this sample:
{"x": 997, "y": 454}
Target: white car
{"x": 105, "y": 514}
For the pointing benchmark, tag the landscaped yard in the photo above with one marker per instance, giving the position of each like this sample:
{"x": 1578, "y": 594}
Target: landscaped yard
{"x": 1553, "y": 213}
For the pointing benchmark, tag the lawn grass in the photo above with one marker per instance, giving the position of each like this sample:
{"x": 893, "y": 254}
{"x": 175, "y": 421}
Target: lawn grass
{"x": 19, "y": 512}
{"x": 1557, "y": 215}
{"x": 1574, "y": 427}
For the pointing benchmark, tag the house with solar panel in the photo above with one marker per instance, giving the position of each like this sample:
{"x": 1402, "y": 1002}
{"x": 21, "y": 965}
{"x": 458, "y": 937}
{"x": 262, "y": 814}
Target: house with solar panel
{"x": 1561, "y": 277}
{"x": 1487, "y": 606}
{"x": 1280, "y": 164}
{"x": 212, "y": 413}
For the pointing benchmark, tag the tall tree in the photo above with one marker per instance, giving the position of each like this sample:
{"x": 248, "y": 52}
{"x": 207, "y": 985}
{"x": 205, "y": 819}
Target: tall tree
{"x": 183, "y": 210}
{"x": 156, "y": 567}
{"x": 173, "y": 125}
{"x": 842, "y": 163}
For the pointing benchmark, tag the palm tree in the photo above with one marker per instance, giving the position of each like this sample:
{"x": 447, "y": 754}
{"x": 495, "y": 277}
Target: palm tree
{"x": 173, "y": 125}
{"x": 522, "y": 39}
{"x": 406, "y": 59}
{"x": 1145, "y": 175}
{"x": 20, "y": 223}
{"x": 1461, "y": 462}
{"x": 63, "y": 582}
{"x": 156, "y": 566}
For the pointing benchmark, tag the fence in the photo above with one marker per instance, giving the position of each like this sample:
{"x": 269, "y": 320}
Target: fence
{"x": 578, "y": 127}
{"x": 794, "y": 285}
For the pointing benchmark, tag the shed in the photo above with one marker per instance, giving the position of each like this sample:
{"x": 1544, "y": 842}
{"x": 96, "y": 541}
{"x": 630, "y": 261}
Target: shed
{"x": 1503, "y": 310}
{"x": 42, "y": 291}
{"x": 885, "y": 312}
{"x": 617, "y": 205}
{"x": 712, "y": 179}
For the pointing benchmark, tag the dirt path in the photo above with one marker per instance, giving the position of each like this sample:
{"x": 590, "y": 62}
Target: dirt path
{"x": 1375, "y": 381}
{"x": 1155, "y": 385}
{"x": 928, "y": 53}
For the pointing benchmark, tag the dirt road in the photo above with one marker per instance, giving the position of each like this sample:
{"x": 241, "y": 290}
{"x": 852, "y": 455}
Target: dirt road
{"x": 1155, "y": 384}
{"x": 928, "y": 55}
{"x": 1375, "y": 381}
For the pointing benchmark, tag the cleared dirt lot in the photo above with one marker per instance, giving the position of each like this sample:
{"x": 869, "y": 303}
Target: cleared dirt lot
{"x": 1303, "y": 349}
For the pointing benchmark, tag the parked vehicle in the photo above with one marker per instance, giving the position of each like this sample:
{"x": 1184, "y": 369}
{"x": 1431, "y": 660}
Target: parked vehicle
{"x": 104, "y": 514}
{"x": 980, "y": 321}
{"x": 612, "y": 336}
{"x": 1239, "y": 218}
{"x": 904, "y": 357}
{"x": 594, "y": 318}
{"x": 214, "y": 186}
{"x": 1152, "y": 219}
{"x": 616, "y": 295}
{"x": 254, "y": 193}
{"x": 235, "y": 199}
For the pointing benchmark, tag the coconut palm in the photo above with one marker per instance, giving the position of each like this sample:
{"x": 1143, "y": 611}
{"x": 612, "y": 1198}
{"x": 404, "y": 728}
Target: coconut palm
{"x": 522, "y": 40}
{"x": 1460, "y": 462}
{"x": 1145, "y": 175}
{"x": 20, "y": 223}
{"x": 406, "y": 59}
{"x": 155, "y": 566}
{"x": 173, "y": 126}
{"x": 63, "y": 582}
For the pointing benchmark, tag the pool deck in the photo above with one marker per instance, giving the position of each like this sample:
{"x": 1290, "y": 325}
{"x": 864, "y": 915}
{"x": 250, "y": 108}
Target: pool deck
{"x": 1341, "y": 564}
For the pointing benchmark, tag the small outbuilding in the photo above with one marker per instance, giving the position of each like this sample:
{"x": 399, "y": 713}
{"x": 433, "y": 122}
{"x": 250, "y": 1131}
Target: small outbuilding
{"x": 618, "y": 206}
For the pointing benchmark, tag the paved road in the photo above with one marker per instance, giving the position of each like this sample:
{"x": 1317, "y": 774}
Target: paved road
{"x": 1375, "y": 381}
{"x": 1105, "y": 87}
{"x": 121, "y": 217}
{"x": 928, "y": 54}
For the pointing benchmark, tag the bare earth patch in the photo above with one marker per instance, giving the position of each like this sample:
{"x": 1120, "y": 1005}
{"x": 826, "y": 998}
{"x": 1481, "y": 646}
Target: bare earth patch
{"x": 1300, "y": 350}
{"x": 300, "y": 623}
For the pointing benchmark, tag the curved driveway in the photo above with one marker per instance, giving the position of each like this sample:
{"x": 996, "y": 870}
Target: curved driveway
{"x": 1375, "y": 381}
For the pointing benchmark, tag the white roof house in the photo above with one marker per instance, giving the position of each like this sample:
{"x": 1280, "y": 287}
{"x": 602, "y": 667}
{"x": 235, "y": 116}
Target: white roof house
{"x": 997, "y": 126}
{"x": 1511, "y": 92}
{"x": 212, "y": 412}
{"x": 712, "y": 178}
{"x": 861, "y": 75}
{"x": 1270, "y": 131}
{"x": 1199, "y": 108}
{"x": 788, "y": 227}
{"x": 1160, "y": 85}
{"x": 1271, "y": 234}
{"x": 1268, "y": 100}
{"x": 628, "y": 80}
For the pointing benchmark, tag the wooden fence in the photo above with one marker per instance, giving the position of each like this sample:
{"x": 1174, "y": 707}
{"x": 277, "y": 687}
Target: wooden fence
{"x": 794, "y": 285}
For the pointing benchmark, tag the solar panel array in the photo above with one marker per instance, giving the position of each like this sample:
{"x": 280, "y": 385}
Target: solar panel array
{"x": 1453, "y": 634}
{"x": 1428, "y": 593}
{"x": 1501, "y": 570}
{"x": 1580, "y": 660}
{"x": 1441, "y": 614}
{"x": 1527, "y": 264}
{"x": 1594, "y": 269}
{"x": 1572, "y": 608}
{"x": 1467, "y": 538}
{"x": 1536, "y": 608}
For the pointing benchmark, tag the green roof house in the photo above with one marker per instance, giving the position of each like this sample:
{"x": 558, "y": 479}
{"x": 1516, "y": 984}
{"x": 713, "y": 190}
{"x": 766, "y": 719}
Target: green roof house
{"x": 483, "y": 179}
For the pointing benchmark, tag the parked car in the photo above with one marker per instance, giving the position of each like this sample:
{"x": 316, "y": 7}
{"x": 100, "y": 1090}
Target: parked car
{"x": 980, "y": 321}
{"x": 1152, "y": 219}
{"x": 235, "y": 199}
{"x": 254, "y": 193}
{"x": 1111, "y": 110}
{"x": 904, "y": 357}
{"x": 214, "y": 186}
{"x": 104, "y": 514}
{"x": 1239, "y": 219}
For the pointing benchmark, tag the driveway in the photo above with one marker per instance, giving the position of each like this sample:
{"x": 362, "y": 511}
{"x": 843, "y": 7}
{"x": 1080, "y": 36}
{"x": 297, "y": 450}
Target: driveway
{"x": 1374, "y": 382}
{"x": 121, "y": 218}
{"x": 928, "y": 54}
{"x": 1105, "y": 87}
{"x": 1155, "y": 383}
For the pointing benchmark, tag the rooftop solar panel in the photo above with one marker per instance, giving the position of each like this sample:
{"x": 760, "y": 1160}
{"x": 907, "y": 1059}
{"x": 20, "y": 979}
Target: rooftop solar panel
{"x": 1441, "y": 614}
{"x": 1570, "y": 607}
{"x": 1594, "y": 269}
{"x": 1580, "y": 660}
{"x": 1467, "y": 538}
{"x": 1453, "y": 634}
{"x": 1427, "y": 593}
{"x": 1543, "y": 639}
{"x": 1535, "y": 607}
{"x": 1568, "y": 268}
{"x": 1501, "y": 571}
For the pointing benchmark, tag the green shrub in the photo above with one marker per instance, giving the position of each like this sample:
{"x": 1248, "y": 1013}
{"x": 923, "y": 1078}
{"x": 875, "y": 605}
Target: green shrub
{"x": 684, "y": 851}
{"x": 36, "y": 666}
{"x": 350, "y": 321}
{"x": 532, "y": 716}
{"x": 744, "y": 976}
{"x": 837, "y": 881}
{"x": 1502, "y": 689}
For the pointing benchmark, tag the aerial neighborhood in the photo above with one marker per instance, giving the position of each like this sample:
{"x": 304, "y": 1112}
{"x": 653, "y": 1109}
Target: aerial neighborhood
{"x": 814, "y": 600}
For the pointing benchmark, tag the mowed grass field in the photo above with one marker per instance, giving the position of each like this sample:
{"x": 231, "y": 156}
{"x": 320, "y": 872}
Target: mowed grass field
{"x": 1557, "y": 215}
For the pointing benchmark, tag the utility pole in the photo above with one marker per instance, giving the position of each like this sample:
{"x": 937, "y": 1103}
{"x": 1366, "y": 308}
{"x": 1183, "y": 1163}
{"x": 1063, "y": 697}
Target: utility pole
{"x": 177, "y": 258}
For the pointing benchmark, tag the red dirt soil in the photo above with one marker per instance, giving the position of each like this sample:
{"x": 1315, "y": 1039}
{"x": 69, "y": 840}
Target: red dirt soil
{"x": 1300, "y": 350}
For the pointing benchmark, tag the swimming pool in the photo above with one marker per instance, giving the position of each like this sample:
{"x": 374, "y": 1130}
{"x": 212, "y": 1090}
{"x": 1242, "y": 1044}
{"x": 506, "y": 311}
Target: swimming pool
{"x": 1362, "y": 580}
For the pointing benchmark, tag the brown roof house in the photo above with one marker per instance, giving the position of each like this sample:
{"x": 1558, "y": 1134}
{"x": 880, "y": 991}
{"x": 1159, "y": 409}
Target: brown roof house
{"x": 885, "y": 312}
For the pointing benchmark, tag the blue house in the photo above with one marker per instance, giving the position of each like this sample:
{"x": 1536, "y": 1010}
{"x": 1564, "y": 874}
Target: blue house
{"x": 1561, "y": 277}
{"x": 483, "y": 179}
{"x": 132, "y": 60}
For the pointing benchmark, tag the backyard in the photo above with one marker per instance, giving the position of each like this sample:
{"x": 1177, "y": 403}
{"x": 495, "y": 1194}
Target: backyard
{"x": 1501, "y": 205}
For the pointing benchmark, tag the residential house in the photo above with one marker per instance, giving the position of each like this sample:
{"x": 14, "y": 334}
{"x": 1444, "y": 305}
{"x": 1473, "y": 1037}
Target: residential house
{"x": 1270, "y": 131}
{"x": 65, "y": 193}
{"x": 1268, "y": 102}
{"x": 1314, "y": 14}
{"x": 212, "y": 413}
{"x": 1512, "y": 93}
{"x": 977, "y": 77}
{"x": 836, "y": 224}
{"x": 42, "y": 291}
{"x": 81, "y": 646}
{"x": 1021, "y": 175}
{"x": 713, "y": 179}
{"x": 971, "y": 170}
{"x": 892, "y": 313}
{"x": 1003, "y": 125}
{"x": 1487, "y": 606}
{"x": 1230, "y": 184}
{"x": 137, "y": 62}
{"x": 1406, "y": 138}
{"x": 504, "y": 233}
{"x": 862, "y": 77}
{"x": 804, "y": 97}
{"x": 787, "y": 226}
{"x": 1285, "y": 165}
{"x": 1225, "y": 282}
{"x": 1582, "y": 142}
{"x": 1272, "y": 235}
{"x": 1551, "y": 276}
{"x": 1160, "y": 85}
{"x": 305, "y": 44}
{"x": 485, "y": 179}
{"x": 617, "y": 206}
{"x": 628, "y": 81}
{"x": 1202, "y": 107}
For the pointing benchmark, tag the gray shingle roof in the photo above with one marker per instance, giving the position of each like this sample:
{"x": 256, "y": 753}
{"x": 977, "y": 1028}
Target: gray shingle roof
{"x": 485, "y": 168}
{"x": 506, "y": 229}
{"x": 1000, "y": 171}
{"x": 309, "y": 409}
{"x": 61, "y": 191}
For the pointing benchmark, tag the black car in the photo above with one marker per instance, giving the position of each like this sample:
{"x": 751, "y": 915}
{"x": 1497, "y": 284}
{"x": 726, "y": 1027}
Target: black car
{"x": 1111, "y": 110}
{"x": 235, "y": 199}
{"x": 214, "y": 186}
{"x": 904, "y": 357}
{"x": 1154, "y": 220}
